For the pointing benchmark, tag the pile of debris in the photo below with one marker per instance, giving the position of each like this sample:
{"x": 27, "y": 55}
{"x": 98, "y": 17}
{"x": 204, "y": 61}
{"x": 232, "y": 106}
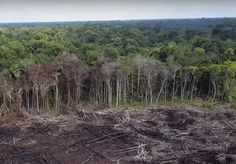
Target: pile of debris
{"x": 121, "y": 136}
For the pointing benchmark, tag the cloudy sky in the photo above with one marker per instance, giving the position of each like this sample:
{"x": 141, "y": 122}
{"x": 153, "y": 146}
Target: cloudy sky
{"x": 80, "y": 10}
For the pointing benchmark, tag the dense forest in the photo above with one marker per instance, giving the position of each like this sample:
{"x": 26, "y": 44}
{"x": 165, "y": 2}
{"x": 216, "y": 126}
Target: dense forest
{"x": 44, "y": 66}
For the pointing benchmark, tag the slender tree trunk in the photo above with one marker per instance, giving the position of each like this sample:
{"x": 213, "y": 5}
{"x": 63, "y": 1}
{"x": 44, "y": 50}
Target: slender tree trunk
{"x": 68, "y": 93}
{"x": 19, "y": 98}
{"x": 103, "y": 92}
{"x": 47, "y": 103}
{"x": 132, "y": 85}
{"x": 124, "y": 92}
{"x": 161, "y": 89}
{"x": 37, "y": 98}
{"x": 127, "y": 88}
{"x": 98, "y": 92}
{"x": 209, "y": 88}
{"x": 184, "y": 87}
{"x": 120, "y": 91}
{"x": 28, "y": 100}
{"x": 146, "y": 98}
{"x": 77, "y": 94}
{"x": 173, "y": 91}
{"x": 138, "y": 81}
{"x": 195, "y": 93}
{"x": 192, "y": 88}
{"x": 150, "y": 89}
{"x": 214, "y": 89}
{"x": 56, "y": 97}
{"x": 90, "y": 98}
{"x": 109, "y": 93}
{"x": 117, "y": 90}
{"x": 165, "y": 91}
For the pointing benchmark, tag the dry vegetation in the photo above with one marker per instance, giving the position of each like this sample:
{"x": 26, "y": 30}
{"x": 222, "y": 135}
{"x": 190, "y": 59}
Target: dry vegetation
{"x": 84, "y": 68}
{"x": 164, "y": 135}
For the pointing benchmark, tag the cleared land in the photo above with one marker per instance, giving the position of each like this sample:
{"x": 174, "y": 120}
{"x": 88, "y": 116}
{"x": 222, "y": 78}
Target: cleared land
{"x": 119, "y": 136}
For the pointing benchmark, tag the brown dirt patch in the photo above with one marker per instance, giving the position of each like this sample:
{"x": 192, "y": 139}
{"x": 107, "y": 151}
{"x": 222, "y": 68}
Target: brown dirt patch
{"x": 150, "y": 136}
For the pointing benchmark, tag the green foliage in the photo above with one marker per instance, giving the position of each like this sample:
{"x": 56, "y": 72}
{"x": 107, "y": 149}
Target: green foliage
{"x": 230, "y": 68}
{"x": 115, "y": 39}
{"x": 40, "y": 58}
{"x": 198, "y": 51}
{"x": 232, "y": 95}
{"x": 229, "y": 54}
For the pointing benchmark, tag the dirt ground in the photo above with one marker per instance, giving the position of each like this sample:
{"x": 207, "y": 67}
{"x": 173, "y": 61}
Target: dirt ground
{"x": 186, "y": 136}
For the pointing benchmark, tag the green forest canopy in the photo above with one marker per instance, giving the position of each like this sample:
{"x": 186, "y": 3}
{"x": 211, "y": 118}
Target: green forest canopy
{"x": 119, "y": 61}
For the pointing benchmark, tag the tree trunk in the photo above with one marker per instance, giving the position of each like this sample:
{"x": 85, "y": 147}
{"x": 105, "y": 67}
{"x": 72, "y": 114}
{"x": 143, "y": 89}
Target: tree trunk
{"x": 37, "y": 98}
{"x": 184, "y": 87}
{"x": 68, "y": 93}
{"x": 192, "y": 88}
{"x": 146, "y": 98}
{"x": 28, "y": 100}
{"x": 124, "y": 93}
{"x": 56, "y": 98}
{"x": 120, "y": 87}
{"x": 150, "y": 89}
{"x": 138, "y": 81}
{"x": 214, "y": 89}
{"x": 173, "y": 91}
{"x": 161, "y": 89}
{"x": 77, "y": 94}
{"x": 19, "y": 98}
{"x": 109, "y": 93}
{"x": 117, "y": 91}
{"x": 132, "y": 85}
{"x": 165, "y": 92}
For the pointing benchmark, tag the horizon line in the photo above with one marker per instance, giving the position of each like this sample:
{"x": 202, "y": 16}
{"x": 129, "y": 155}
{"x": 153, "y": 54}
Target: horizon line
{"x": 111, "y": 20}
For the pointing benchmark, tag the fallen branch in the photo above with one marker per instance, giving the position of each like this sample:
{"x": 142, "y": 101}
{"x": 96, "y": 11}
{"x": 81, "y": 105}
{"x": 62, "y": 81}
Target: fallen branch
{"x": 99, "y": 154}
{"x": 88, "y": 159}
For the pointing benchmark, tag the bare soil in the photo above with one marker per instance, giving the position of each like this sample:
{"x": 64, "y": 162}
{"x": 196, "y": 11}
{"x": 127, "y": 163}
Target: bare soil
{"x": 118, "y": 136}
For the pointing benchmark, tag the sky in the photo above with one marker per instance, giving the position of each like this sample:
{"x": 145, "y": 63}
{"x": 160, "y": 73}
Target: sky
{"x": 88, "y": 10}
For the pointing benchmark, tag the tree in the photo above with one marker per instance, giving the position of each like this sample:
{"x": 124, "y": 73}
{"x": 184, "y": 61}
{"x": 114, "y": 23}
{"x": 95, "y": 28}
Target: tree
{"x": 138, "y": 64}
{"x": 164, "y": 76}
{"x": 214, "y": 71}
{"x": 74, "y": 71}
{"x": 126, "y": 70}
{"x": 173, "y": 67}
{"x": 229, "y": 54}
{"x": 107, "y": 70}
{"x": 150, "y": 70}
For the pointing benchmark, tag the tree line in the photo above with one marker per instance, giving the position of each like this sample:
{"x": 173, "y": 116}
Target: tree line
{"x": 45, "y": 67}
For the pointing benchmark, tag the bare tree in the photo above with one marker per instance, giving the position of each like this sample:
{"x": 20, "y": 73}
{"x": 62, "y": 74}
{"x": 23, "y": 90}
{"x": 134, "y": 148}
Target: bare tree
{"x": 76, "y": 71}
{"x": 42, "y": 77}
{"x": 138, "y": 64}
{"x": 150, "y": 70}
{"x": 164, "y": 76}
{"x": 107, "y": 69}
{"x": 174, "y": 67}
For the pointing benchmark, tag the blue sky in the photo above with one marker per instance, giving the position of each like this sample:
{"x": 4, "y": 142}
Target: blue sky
{"x": 80, "y": 10}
